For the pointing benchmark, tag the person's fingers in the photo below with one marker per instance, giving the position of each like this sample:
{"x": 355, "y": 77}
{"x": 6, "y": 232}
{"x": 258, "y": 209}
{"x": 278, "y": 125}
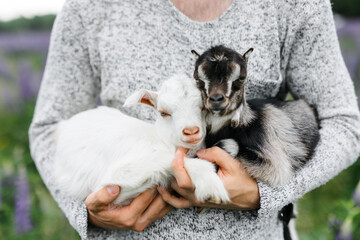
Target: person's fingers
{"x": 184, "y": 151}
{"x": 96, "y": 201}
{"x": 162, "y": 213}
{"x": 173, "y": 200}
{"x": 182, "y": 177}
{"x": 165, "y": 211}
{"x": 187, "y": 194}
{"x": 157, "y": 209}
{"x": 141, "y": 202}
{"x": 106, "y": 219}
{"x": 127, "y": 216}
{"x": 150, "y": 214}
{"x": 219, "y": 157}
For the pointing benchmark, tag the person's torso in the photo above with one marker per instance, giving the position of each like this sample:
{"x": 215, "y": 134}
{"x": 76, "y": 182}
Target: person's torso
{"x": 138, "y": 44}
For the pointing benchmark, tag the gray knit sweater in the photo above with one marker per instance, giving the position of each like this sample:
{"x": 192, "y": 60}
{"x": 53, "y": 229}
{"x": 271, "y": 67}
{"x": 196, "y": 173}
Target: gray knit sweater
{"x": 109, "y": 48}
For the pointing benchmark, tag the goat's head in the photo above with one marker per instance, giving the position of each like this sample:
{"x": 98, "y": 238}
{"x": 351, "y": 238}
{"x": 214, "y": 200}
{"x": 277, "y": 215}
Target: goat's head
{"x": 179, "y": 108}
{"x": 220, "y": 75}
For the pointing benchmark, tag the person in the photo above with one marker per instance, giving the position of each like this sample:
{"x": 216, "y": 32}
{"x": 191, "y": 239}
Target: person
{"x": 109, "y": 48}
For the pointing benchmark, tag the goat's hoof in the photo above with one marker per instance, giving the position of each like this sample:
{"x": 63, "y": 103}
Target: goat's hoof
{"x": 201, "y": 210}
{"x": 234, "y": 123}
{"x": 213, "y": 200}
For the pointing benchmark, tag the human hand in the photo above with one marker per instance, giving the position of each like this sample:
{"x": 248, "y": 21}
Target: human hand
{"x": 143, "y": 210}
{"x": 242, "y": 189}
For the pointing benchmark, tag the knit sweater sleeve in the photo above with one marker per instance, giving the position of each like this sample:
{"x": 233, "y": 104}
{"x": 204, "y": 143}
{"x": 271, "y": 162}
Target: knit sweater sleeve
{"x": 69, "y": 86}
{"x": 315, "y": 71}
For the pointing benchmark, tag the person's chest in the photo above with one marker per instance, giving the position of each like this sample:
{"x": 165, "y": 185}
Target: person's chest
{"x": 141, "y": 44}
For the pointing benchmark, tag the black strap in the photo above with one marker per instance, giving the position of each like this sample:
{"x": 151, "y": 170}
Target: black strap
{"x": 285, "y": 215}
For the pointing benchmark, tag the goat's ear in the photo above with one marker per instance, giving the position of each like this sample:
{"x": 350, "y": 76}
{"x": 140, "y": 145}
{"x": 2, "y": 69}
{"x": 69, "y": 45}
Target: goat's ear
{"x": 195, "y": 53}
{"x": 142, "y": 96}
{"x": 247, "y": 53}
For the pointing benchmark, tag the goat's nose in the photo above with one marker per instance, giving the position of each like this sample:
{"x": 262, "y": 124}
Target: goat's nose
{"x": 191, "y": 131}
{"x": 217, "y": 98}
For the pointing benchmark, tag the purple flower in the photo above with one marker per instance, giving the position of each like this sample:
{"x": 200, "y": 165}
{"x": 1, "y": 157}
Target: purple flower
{"x": 25, "y": 80}
{"x": 350, "y": 27}
{"x": 22, "y": 203}
{"x": 345, "y": 231}
{"x": 25, "y": 42}
{"x": 348, "y": 31}
{"x": 4, "y": 69}
{"x": 356, "y": 195}
{"x": 36, "y": 82}
{"x": 7, "y": 98}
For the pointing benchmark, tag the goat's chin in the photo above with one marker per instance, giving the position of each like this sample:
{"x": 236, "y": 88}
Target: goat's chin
{"x": 219, "y": 112}
{"x": 191, "y": 145}
{"x": 229, "y": 109}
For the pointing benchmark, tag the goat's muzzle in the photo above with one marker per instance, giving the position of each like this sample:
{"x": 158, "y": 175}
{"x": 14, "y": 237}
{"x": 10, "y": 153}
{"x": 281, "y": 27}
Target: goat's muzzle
{"x": 191, "y": 131}
{"x": 217, "y": 103}
{"x": 216, "y": 99}
{"x": 191, "y": 135}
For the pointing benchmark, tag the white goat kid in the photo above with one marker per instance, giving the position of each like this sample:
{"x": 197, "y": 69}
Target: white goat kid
{"x": 103, "y": 146}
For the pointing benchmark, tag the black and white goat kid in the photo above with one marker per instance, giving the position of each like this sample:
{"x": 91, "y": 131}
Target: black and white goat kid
{"x": 271, "y": 138}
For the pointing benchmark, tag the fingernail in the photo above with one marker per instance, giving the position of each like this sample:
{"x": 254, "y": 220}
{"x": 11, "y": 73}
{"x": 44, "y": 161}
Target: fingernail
{"x": 113, "y": 189}
{"x": 201, "y": 152}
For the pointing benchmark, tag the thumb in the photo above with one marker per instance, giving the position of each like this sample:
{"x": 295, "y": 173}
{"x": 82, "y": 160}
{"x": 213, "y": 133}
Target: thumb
{"x": 219, "y": 157}
{"x": 113, "y": 190}
{"x": 181, "y": 176}
{"x": 102, "y": 197}
{"x": 183, "y": 150}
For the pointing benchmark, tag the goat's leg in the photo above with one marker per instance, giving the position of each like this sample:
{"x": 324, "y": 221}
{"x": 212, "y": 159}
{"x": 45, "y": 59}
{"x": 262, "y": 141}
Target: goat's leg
{"x": 235, "y": 120}
{"x": 208, "y": 185}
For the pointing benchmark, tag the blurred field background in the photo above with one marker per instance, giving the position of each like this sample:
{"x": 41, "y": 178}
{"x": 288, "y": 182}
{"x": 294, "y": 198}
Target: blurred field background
{"x": 27, "y": 210}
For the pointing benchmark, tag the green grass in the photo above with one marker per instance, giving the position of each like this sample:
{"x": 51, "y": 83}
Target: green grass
{"x": 319, "y": 208}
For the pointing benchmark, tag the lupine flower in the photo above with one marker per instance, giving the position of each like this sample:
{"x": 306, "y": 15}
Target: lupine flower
{"x": 356, "y": 195}
{"x": 22, "y": 204}
{"x": 345, "y": 231}
{"x": 349, "y": 29}
{"x": 4, "y": 69}
{"x": 25, "y": 79}
{"x": 7, "y": 99}
{"x": 25, "y": 42}
{"x": 36, "y": 82}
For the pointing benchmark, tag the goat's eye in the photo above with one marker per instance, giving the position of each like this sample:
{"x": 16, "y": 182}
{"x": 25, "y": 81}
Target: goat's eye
{"x": 164, "y": 114}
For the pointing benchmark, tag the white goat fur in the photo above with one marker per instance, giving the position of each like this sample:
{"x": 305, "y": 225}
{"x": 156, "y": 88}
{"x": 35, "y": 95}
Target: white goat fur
{"x": 103, "y": 146}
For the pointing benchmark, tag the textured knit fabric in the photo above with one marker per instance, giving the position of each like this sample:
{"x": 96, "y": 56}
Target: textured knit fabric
{"x": 109, "y": 48}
